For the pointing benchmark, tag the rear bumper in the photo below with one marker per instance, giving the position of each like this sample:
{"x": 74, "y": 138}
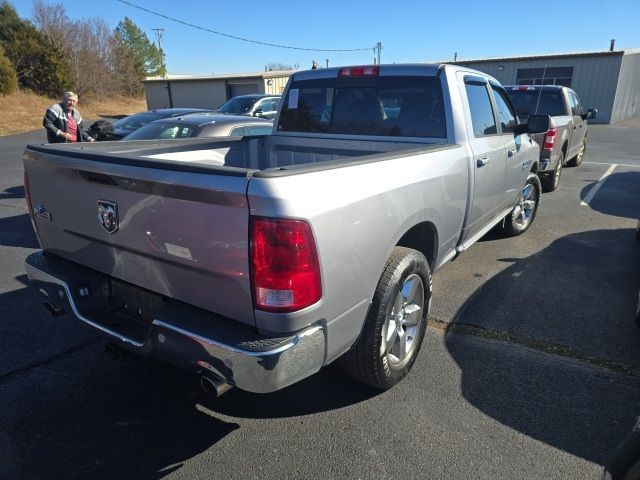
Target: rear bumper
{"x": 180, "y": 334}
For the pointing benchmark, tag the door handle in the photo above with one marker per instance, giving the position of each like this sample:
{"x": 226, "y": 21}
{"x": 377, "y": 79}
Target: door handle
{"x": 482, "y": 161}
{"x": 511, "y": 153}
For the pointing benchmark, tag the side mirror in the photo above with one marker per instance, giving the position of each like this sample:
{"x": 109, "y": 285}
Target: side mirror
{"x": 538, "y": 124}
{"x": 257, "y": 112}
{"x": 591, "y": 114}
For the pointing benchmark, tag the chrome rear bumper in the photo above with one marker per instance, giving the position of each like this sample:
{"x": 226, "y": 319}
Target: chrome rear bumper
{"x": 181, "y": 334}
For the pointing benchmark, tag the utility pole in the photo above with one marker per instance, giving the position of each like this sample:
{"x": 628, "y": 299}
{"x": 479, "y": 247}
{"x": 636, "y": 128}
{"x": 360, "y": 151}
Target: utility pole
{"x": 159, "y": 32}
{"x": 376, "y": 51}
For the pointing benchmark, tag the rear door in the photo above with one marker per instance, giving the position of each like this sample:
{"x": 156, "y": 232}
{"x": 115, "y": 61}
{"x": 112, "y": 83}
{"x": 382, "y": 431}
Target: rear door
{"x": 489, "y": 157}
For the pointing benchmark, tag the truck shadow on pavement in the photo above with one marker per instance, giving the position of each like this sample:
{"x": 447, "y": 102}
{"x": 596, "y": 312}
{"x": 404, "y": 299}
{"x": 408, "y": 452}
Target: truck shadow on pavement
{"x": 70, "y": 409}
{"x": 620, "y": 198}
{"x": 576, "y": 304}
{"x": 119, "y": 418}
{"x": 13, "y": 192}
{"x": 16, "y": 231}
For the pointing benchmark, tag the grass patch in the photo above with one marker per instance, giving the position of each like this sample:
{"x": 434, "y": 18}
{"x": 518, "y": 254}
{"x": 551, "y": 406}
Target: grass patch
{"x": 25, "y": 110}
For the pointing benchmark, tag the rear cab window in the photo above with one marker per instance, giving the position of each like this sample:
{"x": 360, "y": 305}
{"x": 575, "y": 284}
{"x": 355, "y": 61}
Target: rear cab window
{"x": 532, "y": 101}
{"x": 400, "y": 106}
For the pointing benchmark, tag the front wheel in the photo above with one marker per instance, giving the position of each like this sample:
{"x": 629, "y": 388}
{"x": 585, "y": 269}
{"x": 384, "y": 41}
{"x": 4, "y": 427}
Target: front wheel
{"x": 523, "y": 214}
{"x": 396, "y": 323}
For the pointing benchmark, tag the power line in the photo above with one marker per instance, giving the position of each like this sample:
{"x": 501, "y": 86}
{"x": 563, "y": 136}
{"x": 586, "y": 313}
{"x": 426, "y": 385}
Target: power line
{"x": 241, "y": 38}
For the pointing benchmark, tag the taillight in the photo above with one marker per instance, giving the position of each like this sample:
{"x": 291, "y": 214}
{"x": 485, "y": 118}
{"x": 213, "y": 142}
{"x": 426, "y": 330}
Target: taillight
{"x": 550, "y": 139}
{"x": 286, "y": 272}
{"x": 359, "y": 72}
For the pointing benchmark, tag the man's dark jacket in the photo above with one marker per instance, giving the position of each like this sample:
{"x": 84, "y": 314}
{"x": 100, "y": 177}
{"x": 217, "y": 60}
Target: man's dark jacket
{"x": 55, "y": 121}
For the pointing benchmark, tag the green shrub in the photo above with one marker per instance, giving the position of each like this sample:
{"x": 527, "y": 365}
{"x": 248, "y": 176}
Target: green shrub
{"x": 8, "y": 77}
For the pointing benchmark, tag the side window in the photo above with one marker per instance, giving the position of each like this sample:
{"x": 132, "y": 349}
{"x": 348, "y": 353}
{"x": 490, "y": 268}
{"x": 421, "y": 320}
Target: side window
{"x": 576, "y": 108}
{"x": 482, "y": 117}
{"x": 506, "y": 114}
{"x": 265, "y": 105}
{"x": 238, "y": 132}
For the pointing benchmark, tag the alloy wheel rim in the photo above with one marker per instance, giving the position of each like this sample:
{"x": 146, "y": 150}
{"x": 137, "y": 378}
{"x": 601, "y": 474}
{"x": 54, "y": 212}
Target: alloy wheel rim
{"x": 526, "y": 206}
{"x": 401, "y": 326}
{"x": 556, "y": 179}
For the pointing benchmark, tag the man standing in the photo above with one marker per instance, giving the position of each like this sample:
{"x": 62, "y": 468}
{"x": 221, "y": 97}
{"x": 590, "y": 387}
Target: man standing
{"x": 63, "y": 121}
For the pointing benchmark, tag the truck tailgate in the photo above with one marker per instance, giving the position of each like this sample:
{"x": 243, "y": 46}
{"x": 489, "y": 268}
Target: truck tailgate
{"x": 183, "y": 234}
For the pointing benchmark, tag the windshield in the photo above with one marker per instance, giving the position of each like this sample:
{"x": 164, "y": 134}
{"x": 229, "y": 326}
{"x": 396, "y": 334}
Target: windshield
{"x": 162, "y": 130}
{"x": 237, "y": 105}
{"x": 137, "y": 120}
{"x": 404, "y": 106}
{"x": 532, "y": 102}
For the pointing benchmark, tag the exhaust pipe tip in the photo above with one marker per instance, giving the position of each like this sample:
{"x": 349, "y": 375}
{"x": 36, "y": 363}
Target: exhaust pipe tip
{"x": 214, "y": 385}
{"x": 53, "y": 309}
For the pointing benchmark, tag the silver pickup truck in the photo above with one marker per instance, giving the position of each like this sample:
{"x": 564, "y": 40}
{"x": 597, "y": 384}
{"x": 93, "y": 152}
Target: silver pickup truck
{"x": 566, "y": 140}
{"x": 255, "y": 262}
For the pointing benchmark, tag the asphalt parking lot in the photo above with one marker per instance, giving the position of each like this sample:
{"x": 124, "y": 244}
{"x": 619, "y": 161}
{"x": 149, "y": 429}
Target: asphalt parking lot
{"x": 530, "y": 368}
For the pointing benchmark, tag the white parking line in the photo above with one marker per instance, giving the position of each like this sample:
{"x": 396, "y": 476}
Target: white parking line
{"x": 597, "y": 186}
{"x": 609, "y": 163}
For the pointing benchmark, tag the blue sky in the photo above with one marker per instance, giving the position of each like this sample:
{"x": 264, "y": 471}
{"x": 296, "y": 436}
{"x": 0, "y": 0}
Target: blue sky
{"x": 410, "y": 31}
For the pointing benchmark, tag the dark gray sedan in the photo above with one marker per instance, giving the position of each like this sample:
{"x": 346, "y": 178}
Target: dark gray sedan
{"x": 205, "y": 125}
{"x": 126, "y": 125}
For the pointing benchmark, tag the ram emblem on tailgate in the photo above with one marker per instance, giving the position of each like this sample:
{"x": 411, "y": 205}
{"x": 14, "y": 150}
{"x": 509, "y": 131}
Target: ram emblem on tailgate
{"x": 108, "y": 215}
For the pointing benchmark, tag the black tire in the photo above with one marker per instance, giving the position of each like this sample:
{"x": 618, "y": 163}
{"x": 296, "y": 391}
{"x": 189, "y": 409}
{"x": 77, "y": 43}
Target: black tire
{"x": 374, "y": 360}
{"x": 524, "y": 212}
{"x": 577, "y": 160}
{"x": 551, "y": 182}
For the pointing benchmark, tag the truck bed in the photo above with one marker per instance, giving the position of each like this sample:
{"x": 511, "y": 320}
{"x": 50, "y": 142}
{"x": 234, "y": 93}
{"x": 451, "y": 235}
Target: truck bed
{"x": 182, "y": 207}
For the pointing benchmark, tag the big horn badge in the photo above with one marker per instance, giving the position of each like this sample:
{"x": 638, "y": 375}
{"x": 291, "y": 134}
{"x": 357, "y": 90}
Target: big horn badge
{"x": 108, "y": 215}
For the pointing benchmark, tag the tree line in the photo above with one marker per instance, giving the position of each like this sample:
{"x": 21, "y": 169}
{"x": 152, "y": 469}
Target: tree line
{"x": 50, "y": 54}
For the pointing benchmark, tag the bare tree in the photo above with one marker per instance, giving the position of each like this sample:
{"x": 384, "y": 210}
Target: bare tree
{"x": 102, "y": 61}
{"x": 52, "y": 21}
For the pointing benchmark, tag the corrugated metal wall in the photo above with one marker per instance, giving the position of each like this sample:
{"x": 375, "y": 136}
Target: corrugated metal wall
{"x": 198, "y": 93}
{"x": 277, "y": 85}
{"x": 627, "y": 104}
{"x": 595, "y": 78}
{"x": 156, "y": 94}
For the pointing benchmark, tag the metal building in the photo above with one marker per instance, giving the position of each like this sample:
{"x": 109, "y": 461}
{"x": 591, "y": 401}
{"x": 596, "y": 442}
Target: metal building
{"x": 608, "y": 81}
{"x": 210, "y": 91}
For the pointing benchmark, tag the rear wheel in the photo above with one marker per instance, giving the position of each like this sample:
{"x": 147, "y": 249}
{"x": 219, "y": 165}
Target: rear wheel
{"x": 551, "y": 182}
{"x": 577, "y": 160}
{"x": 396, "y": 323}
{"x": 523, "y": 214}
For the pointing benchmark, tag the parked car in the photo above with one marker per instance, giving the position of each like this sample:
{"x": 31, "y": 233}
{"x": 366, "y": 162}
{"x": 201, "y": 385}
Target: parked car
{"x": 256, "y": 105}
{"x": 202, "y": 125}
{"x": 566, "y": 140}
{"x": 126, "y": 125}
{"x": 254, "y": 262}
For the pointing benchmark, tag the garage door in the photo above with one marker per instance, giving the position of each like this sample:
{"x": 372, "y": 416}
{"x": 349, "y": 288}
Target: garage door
{"x": 236, "y": 89}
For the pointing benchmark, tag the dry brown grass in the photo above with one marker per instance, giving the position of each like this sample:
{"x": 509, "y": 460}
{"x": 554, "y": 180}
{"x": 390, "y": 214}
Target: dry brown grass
{"x": 24, "y": 110}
